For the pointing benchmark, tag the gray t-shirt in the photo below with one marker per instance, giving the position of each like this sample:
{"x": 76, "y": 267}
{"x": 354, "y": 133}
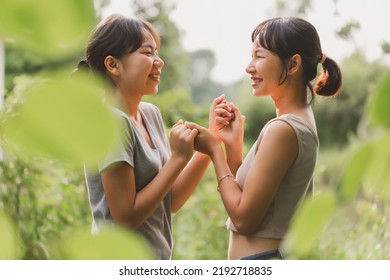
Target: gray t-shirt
{"x": 146, "y": 161}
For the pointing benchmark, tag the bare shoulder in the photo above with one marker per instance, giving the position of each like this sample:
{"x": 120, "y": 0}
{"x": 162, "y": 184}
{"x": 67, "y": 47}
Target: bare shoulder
{"x": 279, "y": 130}
{"x": 279, "y": 141}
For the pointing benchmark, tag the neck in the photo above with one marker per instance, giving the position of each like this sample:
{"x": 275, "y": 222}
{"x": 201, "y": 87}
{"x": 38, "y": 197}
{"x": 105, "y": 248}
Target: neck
{"x": 129, "y": 103}
{"x": 290, "y": 101}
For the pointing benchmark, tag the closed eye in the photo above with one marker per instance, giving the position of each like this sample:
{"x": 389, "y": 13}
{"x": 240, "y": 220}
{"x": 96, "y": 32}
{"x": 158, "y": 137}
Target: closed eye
{"x": 259, "y": 55}
{"x": 149, "y": 50}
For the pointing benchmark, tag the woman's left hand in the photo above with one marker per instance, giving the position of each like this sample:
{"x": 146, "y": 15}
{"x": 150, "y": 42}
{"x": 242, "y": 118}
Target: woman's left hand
{"x": 206, "y": 141}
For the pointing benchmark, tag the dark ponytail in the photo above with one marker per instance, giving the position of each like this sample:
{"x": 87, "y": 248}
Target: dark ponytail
{"x": 82, "y": 67}
{"x": 329, "y": 82}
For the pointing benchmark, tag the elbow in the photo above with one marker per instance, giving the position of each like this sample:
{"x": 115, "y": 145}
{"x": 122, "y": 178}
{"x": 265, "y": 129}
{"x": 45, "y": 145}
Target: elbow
{"x": 176, "y": 206}
{"x": 245, "y": 230}
{"x": 174, "y": 210}
{"x": 127, "y": 222}
{"x": 245, "y": 227}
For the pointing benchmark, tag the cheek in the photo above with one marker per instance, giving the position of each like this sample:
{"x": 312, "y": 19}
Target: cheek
{"x": 262, "y": 67}
{"x": 270, "y": 70}
{"x": 139, "y": 66}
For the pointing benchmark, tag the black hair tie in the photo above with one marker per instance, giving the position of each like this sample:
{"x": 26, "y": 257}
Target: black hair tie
{"x": 83, "y": 64}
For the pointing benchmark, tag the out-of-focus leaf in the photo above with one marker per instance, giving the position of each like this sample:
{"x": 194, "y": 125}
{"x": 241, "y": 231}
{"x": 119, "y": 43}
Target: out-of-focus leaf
{"x": 111, "y": 243}
{"x": 50, "y": 28}
{"x": 377, "y": 175}
{"x": 8, "y": 238}
{"x": 378, "y": 107}
{"x": 65, "y": 120}
{"x": 354, "y": 172}
{"x": 368, "y": 168}
{"x": 308, "y": 225}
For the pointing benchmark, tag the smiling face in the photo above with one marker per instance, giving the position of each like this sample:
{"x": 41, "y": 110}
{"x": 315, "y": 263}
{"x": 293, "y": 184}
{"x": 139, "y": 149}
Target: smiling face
{"x": 265, "y": 70}
{"x": 140, "y": 70}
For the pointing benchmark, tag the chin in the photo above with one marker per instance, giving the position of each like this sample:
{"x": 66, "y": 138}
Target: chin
{"x": 259, "y": 93}
{"x": 153, "y": 92}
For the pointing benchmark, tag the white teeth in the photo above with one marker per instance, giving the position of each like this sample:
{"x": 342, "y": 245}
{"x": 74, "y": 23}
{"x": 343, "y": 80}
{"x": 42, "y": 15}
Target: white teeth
{"x": 155, "y": 76}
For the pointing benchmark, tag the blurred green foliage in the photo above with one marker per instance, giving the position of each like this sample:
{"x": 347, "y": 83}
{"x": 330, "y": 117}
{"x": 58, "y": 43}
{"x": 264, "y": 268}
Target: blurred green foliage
{"x": 112, "y": 243}
{"x": 36, "y": 25}
{"x": 51, "y": 125}
{"x": 199, "y": 228}
{"x": 52, "y": 121}
{"x": 8, "y": 238}
{"x": 44, "y": 199}
{"x": 44, "y": 211}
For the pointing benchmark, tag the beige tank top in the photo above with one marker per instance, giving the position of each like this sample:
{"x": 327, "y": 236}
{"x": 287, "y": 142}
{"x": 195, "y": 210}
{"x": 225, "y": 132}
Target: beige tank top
{"x": 297, "y": 183}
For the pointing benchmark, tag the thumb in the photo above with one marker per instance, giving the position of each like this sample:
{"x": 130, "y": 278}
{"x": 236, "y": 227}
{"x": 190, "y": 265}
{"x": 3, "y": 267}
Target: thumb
{"x": 178, "y": 123}
{"x": 192, "y": 125}
{"x": 193, "y": 134}
{"x": 219, "y": 99}
{"x": 243, "y": 118}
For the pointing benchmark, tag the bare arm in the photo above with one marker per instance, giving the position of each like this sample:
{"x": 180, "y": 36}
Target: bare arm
{"x": 277, "y": 151}
{"x": 132, "y": 208}
{"x": 188, "y": 179}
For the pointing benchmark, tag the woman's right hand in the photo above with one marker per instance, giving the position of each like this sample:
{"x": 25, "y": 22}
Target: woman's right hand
{"x": 206, "y": 141}
{"x": 220, "y": 115}
{"x": 182, "y": 141}
{"x": 230, "y": 123}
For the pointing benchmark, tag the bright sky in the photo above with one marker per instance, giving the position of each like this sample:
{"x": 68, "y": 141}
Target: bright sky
{"x": 225, "y": 26}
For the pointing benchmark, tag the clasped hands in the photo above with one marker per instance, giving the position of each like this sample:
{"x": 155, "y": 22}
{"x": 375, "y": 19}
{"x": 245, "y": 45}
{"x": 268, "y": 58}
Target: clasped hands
{"x": 225, "y": 125}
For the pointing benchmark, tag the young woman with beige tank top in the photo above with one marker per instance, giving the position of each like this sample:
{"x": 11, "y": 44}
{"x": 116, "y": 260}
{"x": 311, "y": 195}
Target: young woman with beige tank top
{"x": 262, "y": 192}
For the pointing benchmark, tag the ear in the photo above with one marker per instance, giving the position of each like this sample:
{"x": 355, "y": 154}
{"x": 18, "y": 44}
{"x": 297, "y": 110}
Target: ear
{"x": 112, "y": 65}
{"x": 295, "y": 64}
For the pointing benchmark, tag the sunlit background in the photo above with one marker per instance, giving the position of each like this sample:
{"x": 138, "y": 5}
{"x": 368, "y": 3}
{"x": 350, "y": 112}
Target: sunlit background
{"x": 225, "y": 27}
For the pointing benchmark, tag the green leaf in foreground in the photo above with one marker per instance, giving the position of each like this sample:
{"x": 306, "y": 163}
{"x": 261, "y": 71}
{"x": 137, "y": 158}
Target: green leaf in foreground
{"x": 111, "y": 243}
{"x": 352, "y": 179}
{"x": 64, "y": 120}
{"x": 50, "y": 28}
{"x": 8, "y": 238}
{"x": 377, "y": 176}
{"x": 378, "y": 107}
{"x": 308, "y": 225}
{"x": 368, "y": 169}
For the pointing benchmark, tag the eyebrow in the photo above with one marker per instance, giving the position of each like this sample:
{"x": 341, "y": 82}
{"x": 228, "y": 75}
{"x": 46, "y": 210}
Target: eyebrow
{"x": 149, "y": 46}
{"x": 260, "y": 49}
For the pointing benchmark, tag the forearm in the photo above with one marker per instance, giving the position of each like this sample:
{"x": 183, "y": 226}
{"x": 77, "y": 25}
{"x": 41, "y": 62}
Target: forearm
{"x": 234, "y": 156}
{"x": 228, "y": 187}
{"x": 149, "y": 198}
{"x": 188, "y": 180}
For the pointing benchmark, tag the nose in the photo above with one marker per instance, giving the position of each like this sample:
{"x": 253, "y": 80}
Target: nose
{"x": 250, "y": 68}
{"x": 158, "y": 62}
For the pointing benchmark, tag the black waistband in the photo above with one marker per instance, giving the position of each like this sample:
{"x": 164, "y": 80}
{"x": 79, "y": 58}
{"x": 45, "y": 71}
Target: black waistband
{"x": 267, "y": 255}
